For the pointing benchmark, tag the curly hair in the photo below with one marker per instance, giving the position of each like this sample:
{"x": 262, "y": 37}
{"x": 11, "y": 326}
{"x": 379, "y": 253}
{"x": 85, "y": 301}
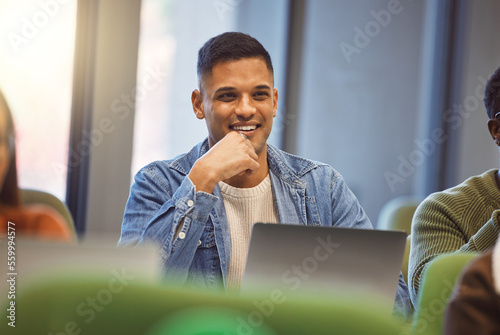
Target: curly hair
{"x": 492, "y": 94}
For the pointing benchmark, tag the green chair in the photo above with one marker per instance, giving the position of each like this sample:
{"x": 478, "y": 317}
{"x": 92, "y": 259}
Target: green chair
{"x": 397, "y": 214}
{"x": 111, "y": 305}
{"x": 30, "y": 196}
{"x": 436, "y": 286}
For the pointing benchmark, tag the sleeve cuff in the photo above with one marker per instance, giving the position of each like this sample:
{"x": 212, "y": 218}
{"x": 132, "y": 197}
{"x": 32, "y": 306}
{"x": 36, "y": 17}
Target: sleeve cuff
{"x": 195, "y": 205}
{"x": 486, "y": 237}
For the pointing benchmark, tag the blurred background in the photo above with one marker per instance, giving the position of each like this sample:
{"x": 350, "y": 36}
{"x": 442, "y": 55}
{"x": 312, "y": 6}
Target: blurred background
{"x": 388, "y": 92}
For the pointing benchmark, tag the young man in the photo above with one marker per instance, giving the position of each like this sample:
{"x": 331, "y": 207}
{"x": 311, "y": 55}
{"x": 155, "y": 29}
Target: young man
{"x": 463, "y": 218}
{"x": 200, "y": 207}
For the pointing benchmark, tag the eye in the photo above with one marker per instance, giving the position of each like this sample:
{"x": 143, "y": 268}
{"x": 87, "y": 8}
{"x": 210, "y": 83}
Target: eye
{"x": 261, "y": 95}
{"x": 226, "y": 96}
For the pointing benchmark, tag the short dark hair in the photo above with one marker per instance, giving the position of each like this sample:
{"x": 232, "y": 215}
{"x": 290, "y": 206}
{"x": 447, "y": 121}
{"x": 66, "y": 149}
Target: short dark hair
{"x": 230, "y": 46}
{"x": 492, "y": 94}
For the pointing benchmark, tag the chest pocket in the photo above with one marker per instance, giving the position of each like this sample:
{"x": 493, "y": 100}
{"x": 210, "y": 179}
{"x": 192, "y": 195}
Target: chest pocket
{"x": 208, "y": 236}
{"x": 313, "y": 218}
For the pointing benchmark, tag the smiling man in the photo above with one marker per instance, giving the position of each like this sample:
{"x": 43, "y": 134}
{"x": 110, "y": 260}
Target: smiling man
{"x": 199, "y": 207}
{"x": 236, "y": 96}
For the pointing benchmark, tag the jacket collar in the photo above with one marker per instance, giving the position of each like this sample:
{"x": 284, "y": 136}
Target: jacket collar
{"x": 289, "y": 168}
{"x": 185, "y": 162}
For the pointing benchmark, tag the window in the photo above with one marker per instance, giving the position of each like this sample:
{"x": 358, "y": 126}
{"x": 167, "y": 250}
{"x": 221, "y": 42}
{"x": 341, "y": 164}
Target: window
{"x": 36, "y": 73}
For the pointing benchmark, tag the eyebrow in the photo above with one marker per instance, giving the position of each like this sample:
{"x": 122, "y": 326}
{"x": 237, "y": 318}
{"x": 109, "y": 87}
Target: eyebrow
{"x": 263, "y": 87}
{"x": 226, "y": 88}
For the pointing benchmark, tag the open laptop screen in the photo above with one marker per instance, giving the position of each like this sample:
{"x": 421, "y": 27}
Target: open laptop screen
{"x": 324, "y": 260}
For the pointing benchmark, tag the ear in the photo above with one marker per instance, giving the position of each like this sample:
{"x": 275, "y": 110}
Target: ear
{"x": 197, "y": 102}
{"x": 275, "y": 101}
{"x": 494, "y": 128}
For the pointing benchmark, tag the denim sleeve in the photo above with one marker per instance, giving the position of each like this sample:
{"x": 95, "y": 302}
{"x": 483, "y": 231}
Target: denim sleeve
{"x": 346, "y": 210}
{"x": 402, "y": 306}
{"x": 348, "y": 213}
{"x": 153, "y": 215}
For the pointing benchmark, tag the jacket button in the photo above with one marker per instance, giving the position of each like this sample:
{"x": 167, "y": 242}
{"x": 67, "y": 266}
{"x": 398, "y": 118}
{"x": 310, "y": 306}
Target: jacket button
{"x": 199, "y": 242}
{"x": 182, "y": 235}
{"x": 190, "y": 203}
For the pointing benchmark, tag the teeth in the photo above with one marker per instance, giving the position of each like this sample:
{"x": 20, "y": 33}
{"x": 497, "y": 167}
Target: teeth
{"x": 245, "y": 128}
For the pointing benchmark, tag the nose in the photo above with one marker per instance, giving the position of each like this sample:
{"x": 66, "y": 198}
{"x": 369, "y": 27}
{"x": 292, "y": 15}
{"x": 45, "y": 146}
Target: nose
{"x": 245, "y": 108}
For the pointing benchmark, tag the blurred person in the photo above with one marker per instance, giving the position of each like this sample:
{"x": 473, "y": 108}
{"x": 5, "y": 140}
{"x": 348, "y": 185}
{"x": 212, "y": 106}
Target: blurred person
{"x": 463, "y": 218}
{"x": 33, "y": 221}
{"x": 199, "y": 207}
{"x": 474, "y": 307}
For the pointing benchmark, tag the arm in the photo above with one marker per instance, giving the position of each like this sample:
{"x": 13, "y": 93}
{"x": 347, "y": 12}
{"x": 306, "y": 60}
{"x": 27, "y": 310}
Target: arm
{"x": 485, "y": 237}
{"x": 437, "y": 229}
{"x": 174, "y": 219}
{"x": 347, "y": 212}
{"x": 154, "y": 214}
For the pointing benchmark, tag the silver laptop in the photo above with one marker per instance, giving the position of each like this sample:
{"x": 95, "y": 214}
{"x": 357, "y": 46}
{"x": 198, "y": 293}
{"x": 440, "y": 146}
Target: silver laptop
{"x": 324, "y": 261}
{"x": 32, "y": 261}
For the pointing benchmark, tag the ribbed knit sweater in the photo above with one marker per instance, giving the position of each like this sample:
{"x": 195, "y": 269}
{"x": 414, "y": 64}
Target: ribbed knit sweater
{"x": 244, "y": 207}
{"x": 463, "y": 218}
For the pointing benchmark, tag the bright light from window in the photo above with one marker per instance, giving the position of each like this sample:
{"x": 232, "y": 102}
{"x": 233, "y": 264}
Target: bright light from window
{"x": 37, "y": 41}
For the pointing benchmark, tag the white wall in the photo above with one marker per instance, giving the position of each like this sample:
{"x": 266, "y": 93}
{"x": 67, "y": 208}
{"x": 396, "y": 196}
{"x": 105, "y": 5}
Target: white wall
{"x": 478, "y": 152}
{"x": 358, "y": 107}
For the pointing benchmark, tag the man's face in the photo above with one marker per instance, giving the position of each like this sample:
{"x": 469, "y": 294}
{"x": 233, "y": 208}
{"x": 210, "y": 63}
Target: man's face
{"x": 238, "y": 96}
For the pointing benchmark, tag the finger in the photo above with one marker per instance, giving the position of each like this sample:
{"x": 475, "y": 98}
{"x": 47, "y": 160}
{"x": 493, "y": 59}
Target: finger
{"x": 252, "y": 164}
{"x": 253, "y": 154}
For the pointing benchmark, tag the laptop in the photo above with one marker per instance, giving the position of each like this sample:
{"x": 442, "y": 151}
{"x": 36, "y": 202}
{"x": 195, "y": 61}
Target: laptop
{"x": 324, "y": 261}
{"x": 35, "y": 260}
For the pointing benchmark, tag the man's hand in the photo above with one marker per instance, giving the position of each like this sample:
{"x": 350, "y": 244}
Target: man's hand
{"x": 232, "y": 156}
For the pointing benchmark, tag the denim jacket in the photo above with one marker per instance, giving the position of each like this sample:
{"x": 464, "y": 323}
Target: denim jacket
{"x": 162, "y": 198}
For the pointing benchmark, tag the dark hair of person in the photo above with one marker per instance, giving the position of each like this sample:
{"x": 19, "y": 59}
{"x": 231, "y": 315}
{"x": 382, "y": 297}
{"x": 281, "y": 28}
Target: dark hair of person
{"x": 9, "y": 194}
{"x": 227, "y": 47}
{"x": 492, "y": 94}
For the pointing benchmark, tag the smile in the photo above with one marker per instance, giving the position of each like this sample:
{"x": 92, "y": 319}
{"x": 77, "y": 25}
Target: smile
{"x": 244, "y": 128}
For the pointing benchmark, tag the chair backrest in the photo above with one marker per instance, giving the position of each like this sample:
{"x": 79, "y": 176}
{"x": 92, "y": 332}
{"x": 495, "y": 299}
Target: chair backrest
{"x": 436, "y": 286}
{"x": 30, "y": 196}
{"x": 121, "y": 305}
{"x": 397, "y": 214}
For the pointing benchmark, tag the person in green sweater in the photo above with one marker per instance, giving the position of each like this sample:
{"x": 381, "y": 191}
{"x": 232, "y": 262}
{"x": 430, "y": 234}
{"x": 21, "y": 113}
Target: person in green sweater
{"x": 463, "y": 218}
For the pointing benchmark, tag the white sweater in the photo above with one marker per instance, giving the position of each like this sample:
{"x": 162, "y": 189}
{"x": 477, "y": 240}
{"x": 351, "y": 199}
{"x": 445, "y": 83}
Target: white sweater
{"x": 244, "y": 207}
